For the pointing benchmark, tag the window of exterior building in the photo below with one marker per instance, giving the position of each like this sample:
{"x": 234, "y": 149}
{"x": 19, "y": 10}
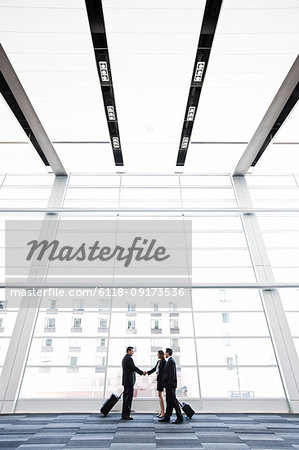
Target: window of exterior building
{"x": 48, "y": 342}
{"x": 226, "y": 341}
{"x": 173, "y": 307}
{"x": 45, "y": 359}
{"x": 78, "y": 304}
{"x": 131, "y": 325}
{"x": 156, "y": 324}
{"x": 50, "y": 322}
{"x": 75, "y": 344}
{"x": 103, "y": 322}
{"x": 230, "y": 362}
{"x": 102, "y": 342}
{"x": 223, "y": 295}
{"x": 225, "y": 317}
{"x": 174, "y": 324}
{"x": 101, "y": 360}
{"x": 2, "y": 304}
{"x": 52, "y": 303}
{"x": 131, "y": 307}
{"x": 77, "y": 322}
{"x": 174, "y": 342}
{"x": 73, "y": 360}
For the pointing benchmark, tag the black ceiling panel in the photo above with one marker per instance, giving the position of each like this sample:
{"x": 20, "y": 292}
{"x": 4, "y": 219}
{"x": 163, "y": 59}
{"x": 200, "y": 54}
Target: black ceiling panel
{"x": 208, "y": 28}
{"x": 98, "y": 33}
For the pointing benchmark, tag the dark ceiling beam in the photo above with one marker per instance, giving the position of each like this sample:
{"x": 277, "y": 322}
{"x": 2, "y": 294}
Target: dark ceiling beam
{"x": 98, "y": 34}
{"x": 281, "y": 106}
{"x": 19, "y": 103}
{"x": 207, "y": 32}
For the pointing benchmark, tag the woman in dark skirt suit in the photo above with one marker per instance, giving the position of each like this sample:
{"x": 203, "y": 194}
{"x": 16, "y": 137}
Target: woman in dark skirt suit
{"x": 159, "y": 367}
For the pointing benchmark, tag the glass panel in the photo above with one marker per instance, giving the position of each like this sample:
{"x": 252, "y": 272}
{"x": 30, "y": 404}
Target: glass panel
{"x": 207, "y": 194}
{"x": 253, "y": 351}
{"x": 92, "y": 194}
{"x": 157, "y": 194}
{"x": 28, "y": 180}
{"x": 7, "y": 322}
{"x": 74, "y": 351}
{"x": 226, "y": 300}
{"x": 216, "y": 222}
{"x": 281, "y": 234}
{"x": 119, "y": 325}
{"x": 151, "y": 197}
{"x": 218, "y": 240}
{"x": 290, "y": 301}
{"x": 54, "y": 382}
{"x": 150, "y": 180}
{"x": 235, "y": 324}
{"x": 4, "y": 343}
{"x": 240, "y": 382}
{"x": 64, "y": 323}
{"x": 197, "y": 180}
{"x": 223, "y": 275}
{"x": 270, "y": 181}
{"x": 279, "y": 222}
{"x": 146, "y": 386}
{"x": 293, "y": 319}
{"x": 145, "y": 355}
{"x": 94, "y": 180}
{"x": 24, "y": 192}
{"x": 275, "y": 197}
{"x": 59, "y": 350}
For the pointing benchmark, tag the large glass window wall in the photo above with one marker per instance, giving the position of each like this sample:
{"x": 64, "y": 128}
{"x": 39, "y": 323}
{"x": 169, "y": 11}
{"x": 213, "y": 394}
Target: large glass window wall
{"x": 221, "y": 337}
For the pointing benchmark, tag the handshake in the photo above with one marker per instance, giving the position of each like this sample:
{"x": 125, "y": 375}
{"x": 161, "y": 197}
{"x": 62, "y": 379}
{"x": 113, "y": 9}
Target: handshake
{"x": 144, "y": 373}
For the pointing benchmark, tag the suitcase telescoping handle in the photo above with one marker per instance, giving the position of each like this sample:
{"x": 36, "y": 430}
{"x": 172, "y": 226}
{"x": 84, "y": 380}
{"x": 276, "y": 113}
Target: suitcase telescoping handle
{"x": 120, "y": 395}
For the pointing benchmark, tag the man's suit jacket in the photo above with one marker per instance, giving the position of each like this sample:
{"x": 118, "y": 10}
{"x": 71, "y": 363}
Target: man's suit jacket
{"x": 169, "y": 374}
{"x": 129, "y": 370}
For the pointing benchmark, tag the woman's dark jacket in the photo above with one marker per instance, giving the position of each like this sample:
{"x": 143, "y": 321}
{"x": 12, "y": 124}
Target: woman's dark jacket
{"x": 162, "y": 364}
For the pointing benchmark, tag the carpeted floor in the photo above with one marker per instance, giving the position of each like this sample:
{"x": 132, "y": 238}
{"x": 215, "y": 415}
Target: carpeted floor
{"x": 207, "y": 431}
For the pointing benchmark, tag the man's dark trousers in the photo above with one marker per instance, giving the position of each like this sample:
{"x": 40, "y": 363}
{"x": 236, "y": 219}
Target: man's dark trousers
{"x": 127, "y": 400}
{"x": 172, "y": 402}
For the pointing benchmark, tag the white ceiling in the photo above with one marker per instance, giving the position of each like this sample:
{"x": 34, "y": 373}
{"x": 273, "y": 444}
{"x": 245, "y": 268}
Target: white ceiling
{"x": 254, "y": 47}
{"x": 152, "y": 47}
{"x": 152, "y": 53}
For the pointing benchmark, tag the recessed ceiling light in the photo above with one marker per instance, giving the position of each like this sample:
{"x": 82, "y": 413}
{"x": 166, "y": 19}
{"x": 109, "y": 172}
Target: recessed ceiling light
{"x": 200, "y": 66}
{"x": 115, "y": 142}
{"x": 111, "y": 112}
{"x": 185, "y": 141}
{"x": 191, "y": 113}
{"x": 104, "y": 71}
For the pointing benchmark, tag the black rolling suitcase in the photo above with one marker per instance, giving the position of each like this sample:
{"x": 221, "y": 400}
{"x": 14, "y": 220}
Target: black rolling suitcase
{"x": 109, "y": 403}
{"x": 187, "y": 409}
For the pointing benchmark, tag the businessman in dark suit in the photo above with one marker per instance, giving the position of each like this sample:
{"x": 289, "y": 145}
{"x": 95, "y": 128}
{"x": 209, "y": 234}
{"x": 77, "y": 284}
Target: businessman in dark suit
{"x": 169, "y": 381}
{"x": 128, "y": 381}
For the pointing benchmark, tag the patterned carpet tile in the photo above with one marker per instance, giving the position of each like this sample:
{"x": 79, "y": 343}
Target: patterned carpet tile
{"x": 204, "y": 431}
